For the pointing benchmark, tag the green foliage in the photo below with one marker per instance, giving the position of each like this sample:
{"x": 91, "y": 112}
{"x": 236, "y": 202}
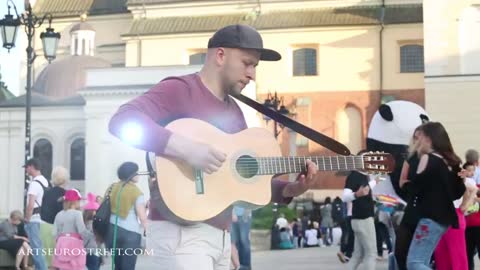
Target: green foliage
{"x": 263, "y": 217}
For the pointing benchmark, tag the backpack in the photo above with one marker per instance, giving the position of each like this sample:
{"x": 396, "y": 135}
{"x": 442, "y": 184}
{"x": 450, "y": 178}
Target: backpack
{"x": 337, "y": 211}
{"x": 50, "y": 203}
{"x": 101, "y": 220}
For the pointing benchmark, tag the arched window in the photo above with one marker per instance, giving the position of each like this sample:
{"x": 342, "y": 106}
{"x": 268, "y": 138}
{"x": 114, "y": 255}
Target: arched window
{"x": 197, "y": 58}
{"x": 305, "y": 62}
{"x": 349, "y": 128}
{"x": 411, "y": 58}
{"x": 77, "y": 159}
{"x": 43, "y": 152}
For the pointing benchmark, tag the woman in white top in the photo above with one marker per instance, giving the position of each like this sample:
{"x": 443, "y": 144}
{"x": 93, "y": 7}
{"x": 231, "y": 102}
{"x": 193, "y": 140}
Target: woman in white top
{"x": 311, "y": 236}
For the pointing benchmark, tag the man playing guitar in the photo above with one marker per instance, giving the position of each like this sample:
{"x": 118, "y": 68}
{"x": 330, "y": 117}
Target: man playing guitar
{"x": 233, "y": 54}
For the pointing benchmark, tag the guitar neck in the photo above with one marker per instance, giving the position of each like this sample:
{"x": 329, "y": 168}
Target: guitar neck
{"x": 283, "y": 165}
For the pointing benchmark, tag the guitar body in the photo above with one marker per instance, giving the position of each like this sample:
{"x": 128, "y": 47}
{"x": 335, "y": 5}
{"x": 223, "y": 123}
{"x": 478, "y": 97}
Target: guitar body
{"x": 177, "y": 180}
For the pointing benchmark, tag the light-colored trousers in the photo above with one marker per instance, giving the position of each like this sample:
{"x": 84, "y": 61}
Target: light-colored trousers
{"x": 365, "y": 247}
{"x": 195, "y": 247}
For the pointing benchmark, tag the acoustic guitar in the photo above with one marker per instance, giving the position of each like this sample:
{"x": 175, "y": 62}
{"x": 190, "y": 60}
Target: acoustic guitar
{"x": 253, "y": 156}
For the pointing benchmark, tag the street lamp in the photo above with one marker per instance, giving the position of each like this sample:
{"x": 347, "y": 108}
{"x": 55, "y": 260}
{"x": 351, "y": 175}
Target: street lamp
{"x": 275, "y": 103}
{"x": 9, "y": 27}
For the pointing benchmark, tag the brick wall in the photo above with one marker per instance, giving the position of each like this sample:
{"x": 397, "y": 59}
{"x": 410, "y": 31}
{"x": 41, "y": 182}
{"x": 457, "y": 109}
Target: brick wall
{"x": 320, "y": 114}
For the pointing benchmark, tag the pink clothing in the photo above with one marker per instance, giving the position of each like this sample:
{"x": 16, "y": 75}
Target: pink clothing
{"x": 91, "y": 202}
{"x": 69, "y": 252}
{"x": 451, "y": 251}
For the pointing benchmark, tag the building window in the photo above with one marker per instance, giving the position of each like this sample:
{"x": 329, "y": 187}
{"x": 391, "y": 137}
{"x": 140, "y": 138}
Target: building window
{"x": 77, "y": 160}
{"x": 43, "y": 152}
{"x": 305, "y": 62}
{"x": 197, "y": 58}
{"x": 411, "y": 58}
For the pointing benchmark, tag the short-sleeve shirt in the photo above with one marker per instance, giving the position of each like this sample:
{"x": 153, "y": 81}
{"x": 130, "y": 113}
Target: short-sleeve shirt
{"x": 362, "y": 207}
{"x": 36, "y": 189}
{"x": 7, "y": 230}
{"x": 130, "y": 223}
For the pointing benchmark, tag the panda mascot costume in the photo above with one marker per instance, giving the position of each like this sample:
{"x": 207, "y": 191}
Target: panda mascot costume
{"x": 390, "y": 131}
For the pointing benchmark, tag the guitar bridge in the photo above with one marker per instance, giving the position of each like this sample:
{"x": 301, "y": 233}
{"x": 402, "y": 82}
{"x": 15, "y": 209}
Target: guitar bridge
{"x": 199, "y": 187}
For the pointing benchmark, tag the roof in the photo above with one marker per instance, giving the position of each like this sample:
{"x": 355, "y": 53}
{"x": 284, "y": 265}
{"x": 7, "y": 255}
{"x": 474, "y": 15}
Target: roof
{"x": 149, "y": 2}
{"x": 340, "y": 16}
{"x": 43, "y": 101}
{"x": 4, "y": 93}
{"x": 70, "y": 8}
{"x": 81, "y": 26}
{"x": 64, "y": 77}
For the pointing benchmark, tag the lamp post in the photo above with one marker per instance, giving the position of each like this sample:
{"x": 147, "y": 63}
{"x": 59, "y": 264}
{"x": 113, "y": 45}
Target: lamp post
{"x": 9, "y": 27}
{"x": 275, "y": 103}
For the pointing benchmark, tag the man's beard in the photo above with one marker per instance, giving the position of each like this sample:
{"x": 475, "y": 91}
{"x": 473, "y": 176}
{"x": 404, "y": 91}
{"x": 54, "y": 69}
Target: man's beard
{"x": 234, "y": 91}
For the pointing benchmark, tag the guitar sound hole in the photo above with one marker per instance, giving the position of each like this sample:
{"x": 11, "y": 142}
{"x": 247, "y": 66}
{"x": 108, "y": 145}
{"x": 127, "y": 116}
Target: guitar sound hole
{"x": 247, "y": 166}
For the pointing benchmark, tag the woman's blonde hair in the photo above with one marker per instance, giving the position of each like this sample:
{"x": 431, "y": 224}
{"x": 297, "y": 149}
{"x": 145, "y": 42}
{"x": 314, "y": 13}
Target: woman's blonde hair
{"x": 60, "y": 176}
{"x": 16, "y": 214}
{"x": 71, "y": 204}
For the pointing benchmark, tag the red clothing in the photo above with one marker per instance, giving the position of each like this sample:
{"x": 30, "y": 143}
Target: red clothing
{"x": 451, "y": 250}
{"x": 182, "y": 97}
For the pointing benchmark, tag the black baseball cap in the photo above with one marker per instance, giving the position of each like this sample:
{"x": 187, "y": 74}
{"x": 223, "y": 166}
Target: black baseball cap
{"x": 33, "y": 162}
{"x": 242, "y": 37}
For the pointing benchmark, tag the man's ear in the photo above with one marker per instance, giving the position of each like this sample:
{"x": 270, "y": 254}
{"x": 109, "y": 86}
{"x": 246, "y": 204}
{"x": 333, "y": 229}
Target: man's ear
{"x": 220, "y": 54}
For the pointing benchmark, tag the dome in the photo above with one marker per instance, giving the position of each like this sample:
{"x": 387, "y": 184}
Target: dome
{"x": 64, "y": 77}
{"x": 81, "y": 26}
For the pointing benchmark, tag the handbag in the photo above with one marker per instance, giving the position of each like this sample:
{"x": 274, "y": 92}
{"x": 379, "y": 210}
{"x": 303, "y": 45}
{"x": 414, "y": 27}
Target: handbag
{"x": 101, "y": 220}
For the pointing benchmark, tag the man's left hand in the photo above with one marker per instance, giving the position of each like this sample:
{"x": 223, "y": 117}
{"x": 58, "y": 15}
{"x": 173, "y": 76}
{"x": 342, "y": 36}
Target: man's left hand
{"x": 303, "y": 183}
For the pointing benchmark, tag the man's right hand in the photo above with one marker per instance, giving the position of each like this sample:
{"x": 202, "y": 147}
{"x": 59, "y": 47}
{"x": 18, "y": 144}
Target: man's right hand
{"x": 362, "y": 191}
{"x": 199, "y": 155}
{"x": 205, "y": 157}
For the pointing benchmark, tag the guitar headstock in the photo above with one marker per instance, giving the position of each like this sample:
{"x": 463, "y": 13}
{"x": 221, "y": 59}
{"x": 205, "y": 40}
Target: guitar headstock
{"x": 378, "y": 162}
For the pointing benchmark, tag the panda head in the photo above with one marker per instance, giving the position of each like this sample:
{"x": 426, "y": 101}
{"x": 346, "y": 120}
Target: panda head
{"x": 395, "y": 122}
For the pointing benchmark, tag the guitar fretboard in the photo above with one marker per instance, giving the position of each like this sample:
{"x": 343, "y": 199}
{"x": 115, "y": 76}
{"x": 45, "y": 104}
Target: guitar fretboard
{"x": 282, "y": 165}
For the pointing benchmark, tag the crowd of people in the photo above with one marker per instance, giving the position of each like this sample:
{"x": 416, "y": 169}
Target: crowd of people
{"x": 57, "y": 228}
{"x": 436, "y": 227}
{"x": 441, "y": 209}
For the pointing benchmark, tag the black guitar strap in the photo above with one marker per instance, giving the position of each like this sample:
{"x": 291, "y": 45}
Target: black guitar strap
{"x": 309, "y": 133}
{"x": 150, "y": 169}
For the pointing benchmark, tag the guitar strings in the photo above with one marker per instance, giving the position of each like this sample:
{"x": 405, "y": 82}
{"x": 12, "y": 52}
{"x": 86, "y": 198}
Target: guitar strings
{"x": 274, "y": 164}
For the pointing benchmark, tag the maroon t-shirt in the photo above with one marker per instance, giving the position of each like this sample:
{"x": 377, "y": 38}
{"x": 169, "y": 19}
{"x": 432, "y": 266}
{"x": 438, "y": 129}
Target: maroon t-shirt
{"x": 175, "y": 98}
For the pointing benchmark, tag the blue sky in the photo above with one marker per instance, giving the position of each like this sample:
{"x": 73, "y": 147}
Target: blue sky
{"x": 10, "y": 62}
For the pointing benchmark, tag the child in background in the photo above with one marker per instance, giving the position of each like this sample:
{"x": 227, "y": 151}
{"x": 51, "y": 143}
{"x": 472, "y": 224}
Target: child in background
{"x": 94, "y": 260}
{"x": 470, "y": 204}
{"x": 70, "y": 232}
